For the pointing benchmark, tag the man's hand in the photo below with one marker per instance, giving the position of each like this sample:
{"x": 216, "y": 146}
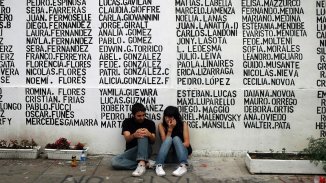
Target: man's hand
{"x": 138, "y": 133}
{"x": 142, "y": 132}
{"x": 146, "y": 132}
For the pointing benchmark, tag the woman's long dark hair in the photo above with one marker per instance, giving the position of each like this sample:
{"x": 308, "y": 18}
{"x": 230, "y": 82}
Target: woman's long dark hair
{"x": 172, "y": 111}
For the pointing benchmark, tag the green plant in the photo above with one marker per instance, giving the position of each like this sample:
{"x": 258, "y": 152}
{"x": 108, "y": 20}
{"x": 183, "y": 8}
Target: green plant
{"x": 279, "y": 155}
{"x": 316, "y": 150}
{"x": 283, "y": 154}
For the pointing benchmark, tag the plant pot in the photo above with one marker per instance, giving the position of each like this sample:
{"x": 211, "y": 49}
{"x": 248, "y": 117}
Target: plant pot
{"x": 20, "y": 153}
{"x": 282, "y": 166}
{"x": 65, "y": 153}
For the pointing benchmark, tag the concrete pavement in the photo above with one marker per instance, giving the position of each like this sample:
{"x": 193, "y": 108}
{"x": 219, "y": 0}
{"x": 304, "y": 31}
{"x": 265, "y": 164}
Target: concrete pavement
{"x": 202, "y": 169}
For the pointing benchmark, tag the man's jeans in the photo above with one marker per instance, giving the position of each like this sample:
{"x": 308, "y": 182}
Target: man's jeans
{"x": 180, "y": 150}
{"x": 129, "y": 159}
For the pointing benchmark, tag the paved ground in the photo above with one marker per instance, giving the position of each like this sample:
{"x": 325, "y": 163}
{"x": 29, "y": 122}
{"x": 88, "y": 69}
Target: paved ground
{"x": 202, "y": 169}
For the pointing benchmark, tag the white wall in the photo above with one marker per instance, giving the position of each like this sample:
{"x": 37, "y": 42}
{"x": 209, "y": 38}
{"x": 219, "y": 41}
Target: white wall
{"x": 94, "y": 83}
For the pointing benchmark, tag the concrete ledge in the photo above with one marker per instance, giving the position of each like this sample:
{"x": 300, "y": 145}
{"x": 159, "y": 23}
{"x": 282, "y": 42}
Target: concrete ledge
{"x": 276, "y": 166}
{"x": 209, "y": 153}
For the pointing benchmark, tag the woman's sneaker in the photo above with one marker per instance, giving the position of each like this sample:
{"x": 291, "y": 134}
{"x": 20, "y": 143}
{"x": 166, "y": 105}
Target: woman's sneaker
{"x": 140, "y": 170}
{"x": 159, "y": 170}
{"x": 181, "y": 170}
{"x": 150, "y": 164}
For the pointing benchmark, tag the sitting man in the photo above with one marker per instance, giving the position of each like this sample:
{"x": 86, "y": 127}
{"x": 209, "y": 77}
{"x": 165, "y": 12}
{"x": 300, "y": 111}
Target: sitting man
{"x": 139, "y": 133}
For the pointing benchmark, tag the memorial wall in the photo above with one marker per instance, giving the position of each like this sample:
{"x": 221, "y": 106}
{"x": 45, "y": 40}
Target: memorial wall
{"x": 245, "y": 74}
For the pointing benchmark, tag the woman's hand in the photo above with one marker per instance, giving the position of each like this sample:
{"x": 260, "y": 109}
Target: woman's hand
{"x": 171, "y": 124}
{"x": 186, "y": 144}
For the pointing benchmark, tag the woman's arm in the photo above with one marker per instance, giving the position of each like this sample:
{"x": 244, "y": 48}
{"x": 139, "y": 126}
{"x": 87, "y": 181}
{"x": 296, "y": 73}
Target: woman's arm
{"x": 186, "y": 137}
{"x": 162, "y": 132}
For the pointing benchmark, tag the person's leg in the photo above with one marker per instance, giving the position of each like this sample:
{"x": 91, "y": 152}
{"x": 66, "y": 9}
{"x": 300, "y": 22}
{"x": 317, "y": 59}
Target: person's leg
{"x": 143, "y": 152}
{"x": 162, "y": 155}
{"x": 181, "y": 150}
{"x": 182, "y": 154}
{"x": 172, "y": 156}
{"x": 144, "y": 149}
{"x": 164, "y": 150}
{"x": 126, "y": 160}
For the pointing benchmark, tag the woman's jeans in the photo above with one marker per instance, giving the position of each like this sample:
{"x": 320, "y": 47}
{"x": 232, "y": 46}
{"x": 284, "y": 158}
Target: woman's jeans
{"x": 129, "y": 159}
{"x": 180, "y": 150}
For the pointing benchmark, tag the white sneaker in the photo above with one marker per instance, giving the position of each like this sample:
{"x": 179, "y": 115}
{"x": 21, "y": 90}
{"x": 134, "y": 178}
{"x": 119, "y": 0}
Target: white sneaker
{"x": 150, "y": 164}
{"x": 182, "y": 169}
{"x": 159, "y": 170}
{"x": 140, "y": 170}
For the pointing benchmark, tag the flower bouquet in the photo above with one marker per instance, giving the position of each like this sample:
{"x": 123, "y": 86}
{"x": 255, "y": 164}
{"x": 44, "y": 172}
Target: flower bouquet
{"x": 62, "y": 149}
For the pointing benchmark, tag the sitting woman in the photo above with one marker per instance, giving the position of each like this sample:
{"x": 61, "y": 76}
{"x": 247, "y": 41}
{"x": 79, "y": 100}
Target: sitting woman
{"x": 174, "y": 134}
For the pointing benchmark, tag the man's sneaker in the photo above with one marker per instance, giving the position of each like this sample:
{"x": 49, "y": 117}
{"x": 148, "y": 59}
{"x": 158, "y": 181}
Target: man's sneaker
{"x": 140, "y": 170}
{"x": 159, "y": 170}
{"x": 182, "y": 169}
{"x": 150, "y": 164}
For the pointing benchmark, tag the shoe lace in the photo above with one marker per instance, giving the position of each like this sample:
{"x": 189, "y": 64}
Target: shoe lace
{"x": 159, "y": 169}
{"x": 139, "y": 168}
{"x": 181, "y": 167}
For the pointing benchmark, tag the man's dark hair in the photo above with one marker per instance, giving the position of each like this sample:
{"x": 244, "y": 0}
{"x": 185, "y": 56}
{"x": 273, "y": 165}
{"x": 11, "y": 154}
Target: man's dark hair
{"x": 137, "y": 107}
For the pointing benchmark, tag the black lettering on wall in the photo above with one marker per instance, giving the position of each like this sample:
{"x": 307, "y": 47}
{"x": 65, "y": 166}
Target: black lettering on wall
{"x": 321, "y": 111}
{"x": 58, "y": 40}
{"x": 7, "y": 63}
{"x": 208, "y": 108}
{"x": 116, "y": 105}
{"x": 270, "y": 54}
{"x": 321, "y": 66}
{"x": 59, "y": 37}
{"x": 321, "y": 36}
{"x": 268, "y": 109}
{"x": 46, "y": 107}
{"x": 7, "y": 105}
{"x": 8, "y": 69}
{"x": 128, "y": 54}
{"x": 202, "y": 30}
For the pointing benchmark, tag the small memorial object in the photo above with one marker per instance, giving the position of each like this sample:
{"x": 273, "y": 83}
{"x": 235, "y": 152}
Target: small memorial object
{"x": 73, "y": 161}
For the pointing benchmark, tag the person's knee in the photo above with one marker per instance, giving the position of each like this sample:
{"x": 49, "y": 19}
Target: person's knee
{"x": 143, "y": 141}
{"x": 115, "y": 162}
{"x": 167, "y": 139}
{"x": 176, "y": 139}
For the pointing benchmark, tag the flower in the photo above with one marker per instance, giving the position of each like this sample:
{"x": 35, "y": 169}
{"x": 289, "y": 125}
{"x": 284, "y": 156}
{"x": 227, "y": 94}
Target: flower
{"x": 79, "y": 146}
{"x": 63, "y": 143}
{"x": 13, "y": 144}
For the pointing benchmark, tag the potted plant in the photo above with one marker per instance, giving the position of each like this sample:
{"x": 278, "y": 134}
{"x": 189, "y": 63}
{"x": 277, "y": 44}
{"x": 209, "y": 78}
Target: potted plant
{"x": 317, "y": 151}
{"x": 24, "y": 150}
{"x": 288, "y": 162}
{"x": 62, "y": 149}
